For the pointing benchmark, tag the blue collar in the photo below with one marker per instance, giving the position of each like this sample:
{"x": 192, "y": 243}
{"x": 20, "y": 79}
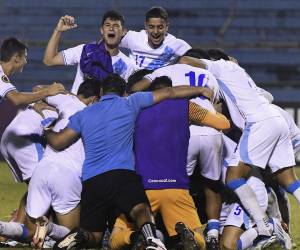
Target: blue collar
{"x": 108, "y": 96}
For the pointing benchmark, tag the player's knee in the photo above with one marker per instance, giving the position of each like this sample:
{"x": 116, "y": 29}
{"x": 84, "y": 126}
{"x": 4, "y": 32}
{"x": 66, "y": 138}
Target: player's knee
{"x": 228, "y": 244}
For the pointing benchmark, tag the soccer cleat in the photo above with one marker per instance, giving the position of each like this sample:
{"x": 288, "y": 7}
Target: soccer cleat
{"x": 154, "y": 244}
{"x": 212, "y": 243}
{"x": 261, "y": 244}
{"x": 40, "y": 232}
{"x": 186, "y": 237}
{"x": 73, "y": 240}
{"x": 264, "y": 228}
{"x": 283, "y": 237}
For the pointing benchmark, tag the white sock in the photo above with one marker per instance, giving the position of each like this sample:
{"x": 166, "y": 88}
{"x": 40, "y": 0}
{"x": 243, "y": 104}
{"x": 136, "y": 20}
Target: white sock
{"x": 247, "y": 238}
{"x": 297, "y": 194}
{"x": 212, "y": 227}
{"x": 273, "y": 207}
{"x": 13, "y": 230}
{"x": 57, "y": 232}
{"x": 250, "y": 203}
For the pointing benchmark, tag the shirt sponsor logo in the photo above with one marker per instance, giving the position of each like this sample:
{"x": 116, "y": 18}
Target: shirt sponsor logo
{"x": 162, "y": 180}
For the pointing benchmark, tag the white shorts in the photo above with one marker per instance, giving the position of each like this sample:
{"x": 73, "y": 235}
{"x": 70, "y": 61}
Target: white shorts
{"x": 234, "y": 214}
{"x": 53, "y": 184}
{"x": 265, "y": 143}
{"x": 205, "y": 149}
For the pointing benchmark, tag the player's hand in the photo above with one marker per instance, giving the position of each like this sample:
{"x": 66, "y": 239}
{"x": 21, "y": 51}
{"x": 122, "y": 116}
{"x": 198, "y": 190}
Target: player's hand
{"x": 40, "y": 106}
{"x": 55, "y": 88}
{"x": 218, "y": 107}
{"x": 66, "y": 23}
{"x": 208, "y": 93}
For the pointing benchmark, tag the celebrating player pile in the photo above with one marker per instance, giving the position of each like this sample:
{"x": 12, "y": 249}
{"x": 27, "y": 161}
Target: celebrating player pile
{"x": 128, "y": 146}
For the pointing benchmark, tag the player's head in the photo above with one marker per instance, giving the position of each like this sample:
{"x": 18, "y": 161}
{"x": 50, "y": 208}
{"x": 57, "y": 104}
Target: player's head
{"x": 89, "y": 90}
{"x": 161, "y": 82}
{"x": 218, "y": 54}
{"x": 113, "y": 84}
{"x": 112, "y": 28}
{"x": 14, "y": 52}
{"x": 156, "y": 25}
{"x": 197, "y": 53}
{"x": 135, "y": 77}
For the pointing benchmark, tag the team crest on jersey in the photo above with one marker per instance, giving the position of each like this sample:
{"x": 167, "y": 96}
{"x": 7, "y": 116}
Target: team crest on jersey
{"x": 5, "y": 79}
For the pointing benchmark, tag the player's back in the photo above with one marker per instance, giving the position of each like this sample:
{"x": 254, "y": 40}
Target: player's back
{"x": 183, "y": 74}
{"x": 67, "y": 105}
{"x": 21, "y": 143}
{"x": 240, "y": 90}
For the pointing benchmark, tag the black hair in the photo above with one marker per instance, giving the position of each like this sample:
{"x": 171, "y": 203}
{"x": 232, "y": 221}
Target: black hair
{"x": 157, "y": 12}
{"x": 161, "y": 82}
{"x": 197, "y": 53}
{"x": 113, "y": 15}
{"x": 217, "y": 54}
{"x": 90, "y": 87}
{"x": 135, "y": 77}
{"x": 114, "y": 84}
{"x": 10, "y": 47}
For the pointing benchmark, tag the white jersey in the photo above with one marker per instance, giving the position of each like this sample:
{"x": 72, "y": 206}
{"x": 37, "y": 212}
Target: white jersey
{"x": 72, "y": 156}
{"x": 146, "y": 57}
{"x": 122, "y": 65}
{"x": 21, "y": 142}
{"x": 240, "y": 92}
{"x": 183, "y": 74}
{"x": 5, "y": 85}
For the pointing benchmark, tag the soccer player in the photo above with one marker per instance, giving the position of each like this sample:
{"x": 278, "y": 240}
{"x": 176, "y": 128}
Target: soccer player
{"x": 160, "y": 145}
{"x": 22, "y": 144}
{"x": 154, "y": 47}
{"x": 109, "y": 179}
{"x": 205, "y": 143}
{"x": 258, "y": 145}
{"x": 110, "y": 58}
{"x": 13, "y": 59}
{"x": 56, "y": 180}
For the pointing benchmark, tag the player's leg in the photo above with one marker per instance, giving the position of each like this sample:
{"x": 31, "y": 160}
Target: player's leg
{"x": 176, "y": 205}
{"x": 135, "y": 204}
{"x": 230, "y": 237}
{"x": 254, "y": 149}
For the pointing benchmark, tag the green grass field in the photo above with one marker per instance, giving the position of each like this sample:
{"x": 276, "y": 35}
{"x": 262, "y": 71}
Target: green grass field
{"x": 11, "y": 192}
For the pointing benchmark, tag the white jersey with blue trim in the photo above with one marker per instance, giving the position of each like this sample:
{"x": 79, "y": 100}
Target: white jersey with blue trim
{"x": 183, "y": 74}
{"x": 122, "y": 65}
{"x": 240, "y": 92}
{"x": 146, "y": 57}
{"x": 67, "y": 105}
{"x": 21, "y": 142}
{"x": 5, "y": 85}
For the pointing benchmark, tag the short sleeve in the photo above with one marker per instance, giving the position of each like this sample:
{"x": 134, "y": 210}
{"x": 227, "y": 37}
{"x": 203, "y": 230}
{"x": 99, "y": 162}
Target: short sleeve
{"x": 127, "y": 39}
{"x": 5, "y": 86}
{"x": 213, "y": 67}
{"x": 75, "y": 122}
{"x": 140, "y": 100}
{"x": 72, "y": 56}
{"x": 182, "y": 47}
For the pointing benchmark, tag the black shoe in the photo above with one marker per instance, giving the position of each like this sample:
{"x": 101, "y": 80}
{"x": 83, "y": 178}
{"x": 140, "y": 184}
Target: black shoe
{"x": 186, "y": 237}
{"x": 73, "y": 240}
{"x": 139, "y": 242}
{"x": 212, "y": 243}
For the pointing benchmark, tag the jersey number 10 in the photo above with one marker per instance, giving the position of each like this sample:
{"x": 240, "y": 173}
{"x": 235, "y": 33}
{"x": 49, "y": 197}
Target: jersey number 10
{"x": 192, "y": 78}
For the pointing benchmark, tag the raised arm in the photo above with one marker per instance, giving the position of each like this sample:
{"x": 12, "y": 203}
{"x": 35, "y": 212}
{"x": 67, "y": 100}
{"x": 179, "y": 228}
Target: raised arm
{"x": 24, "y": 98}
{"x": 202, "y": 116}
{"x": 62, "y": 139}
{"x": 180, "y": 92}
{"x": 141, "y": 85}
{"x": 52, "y": 56}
